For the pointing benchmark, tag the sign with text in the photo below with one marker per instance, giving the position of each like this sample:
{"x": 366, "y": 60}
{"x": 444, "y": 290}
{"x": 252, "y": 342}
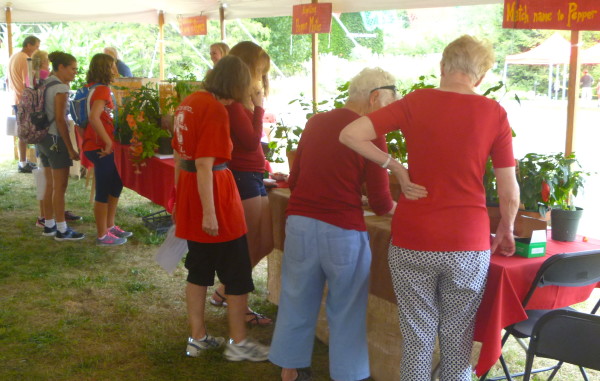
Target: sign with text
{"x": 192, "y": 26}
{"x": 552, "y": 14}
{"x": 311, "y": 18}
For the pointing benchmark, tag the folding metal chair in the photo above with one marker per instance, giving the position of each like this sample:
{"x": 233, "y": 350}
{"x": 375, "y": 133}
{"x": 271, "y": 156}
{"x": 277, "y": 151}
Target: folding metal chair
{"x": 565, "y": 270}
{"x": 566, "y": 336}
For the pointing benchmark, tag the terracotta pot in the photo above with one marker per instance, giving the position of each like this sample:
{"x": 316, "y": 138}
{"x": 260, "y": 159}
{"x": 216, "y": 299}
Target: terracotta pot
{"x": 291, "y": 156}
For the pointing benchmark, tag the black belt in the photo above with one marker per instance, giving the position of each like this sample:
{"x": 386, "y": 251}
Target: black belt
{"x": 190, "y": 166}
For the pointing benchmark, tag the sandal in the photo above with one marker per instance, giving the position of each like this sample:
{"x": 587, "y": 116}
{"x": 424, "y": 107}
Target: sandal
{"x": 218, "y": 303}
{"x": 257, "y": 319}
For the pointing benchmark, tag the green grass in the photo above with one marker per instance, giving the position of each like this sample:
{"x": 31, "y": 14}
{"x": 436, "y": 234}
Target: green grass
{"x": 74, "y": 311}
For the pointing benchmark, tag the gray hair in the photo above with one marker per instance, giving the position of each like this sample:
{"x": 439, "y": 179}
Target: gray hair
{"x": 468, "y": 55}
{"x": 111, "y": 51}
{"x": 368, "y": 80}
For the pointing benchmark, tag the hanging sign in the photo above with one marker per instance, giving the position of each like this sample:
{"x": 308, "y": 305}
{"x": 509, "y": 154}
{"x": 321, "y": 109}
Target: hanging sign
{"x": 192, "y": 26}
{"x": 552, "y": 14}
{"x": 311, "y": 18}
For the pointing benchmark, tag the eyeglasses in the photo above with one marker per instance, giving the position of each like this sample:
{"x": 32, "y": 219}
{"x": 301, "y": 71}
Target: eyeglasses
{"x": 390, "y": 87}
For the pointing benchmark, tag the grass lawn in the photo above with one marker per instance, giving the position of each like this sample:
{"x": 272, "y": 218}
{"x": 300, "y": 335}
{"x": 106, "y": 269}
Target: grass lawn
{"x": 74, "y": 311}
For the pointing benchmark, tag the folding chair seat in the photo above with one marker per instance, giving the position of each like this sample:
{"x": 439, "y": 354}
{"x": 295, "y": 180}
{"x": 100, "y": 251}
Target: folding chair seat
{"x": 566, "y": 336}
{"x": 566, "y": 270}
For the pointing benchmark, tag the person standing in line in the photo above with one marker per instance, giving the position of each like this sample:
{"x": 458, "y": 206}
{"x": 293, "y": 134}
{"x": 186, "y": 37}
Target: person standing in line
{"x": 122, "y": 68}
{"x": 19, "y": 78}
{"x": 326, "y": 238}
{"x": 218, "y": 50}
{"x": 40, "y": 72}
{"x": 440, "y": 249}
{"x": 586, "y": 86}
{"x": 97, "y": 146}
{"x": 248, "y": 162}
{"x": 56, "y": 149}
{"x": 208, "y": 211}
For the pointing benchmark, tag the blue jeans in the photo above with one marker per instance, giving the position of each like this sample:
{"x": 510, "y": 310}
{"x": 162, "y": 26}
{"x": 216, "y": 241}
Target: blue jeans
{"x": 316, "y": 252}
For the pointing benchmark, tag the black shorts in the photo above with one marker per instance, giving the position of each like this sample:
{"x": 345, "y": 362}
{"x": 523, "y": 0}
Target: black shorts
{"x": 250, "y": 184}
{"x": 230, "y": 260}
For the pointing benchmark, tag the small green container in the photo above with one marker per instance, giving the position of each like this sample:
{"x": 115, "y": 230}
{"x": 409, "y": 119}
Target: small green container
{"x": 526, "y": 249}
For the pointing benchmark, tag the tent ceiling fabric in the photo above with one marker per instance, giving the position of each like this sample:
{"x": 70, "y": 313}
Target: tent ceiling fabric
{"x": 145, "y": 11}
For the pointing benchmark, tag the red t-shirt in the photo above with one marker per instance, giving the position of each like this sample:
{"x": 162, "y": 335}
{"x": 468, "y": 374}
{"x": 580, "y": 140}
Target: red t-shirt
{"x": 91, "y": 140}
{"x": 202, "y": 130}
{"x": 449, "y": 137}
{"x": 246, "y": 132}
{"x": 327, "y": 176}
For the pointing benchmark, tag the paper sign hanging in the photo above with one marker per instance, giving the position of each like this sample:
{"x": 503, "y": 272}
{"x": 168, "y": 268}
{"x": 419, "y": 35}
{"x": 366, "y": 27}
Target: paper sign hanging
{"x": 192, "y": 26}
{"x": 552, "y": 14}
{"x": 311, "y": 18}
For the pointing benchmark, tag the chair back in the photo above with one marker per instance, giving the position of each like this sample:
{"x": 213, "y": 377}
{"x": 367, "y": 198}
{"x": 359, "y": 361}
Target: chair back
{"x": 567, "y": 336}
{"x": 568, "y": 270}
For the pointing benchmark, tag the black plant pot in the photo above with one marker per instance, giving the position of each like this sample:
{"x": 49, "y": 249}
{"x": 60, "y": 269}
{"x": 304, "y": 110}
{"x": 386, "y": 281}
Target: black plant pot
{"x": 164, "y": 146}
{"x": 565, "y": 223}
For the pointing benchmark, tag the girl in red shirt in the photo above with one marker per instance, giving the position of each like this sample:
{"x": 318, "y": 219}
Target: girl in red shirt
{"x": 206, "y": 190}
{"x": 98, "y": 148}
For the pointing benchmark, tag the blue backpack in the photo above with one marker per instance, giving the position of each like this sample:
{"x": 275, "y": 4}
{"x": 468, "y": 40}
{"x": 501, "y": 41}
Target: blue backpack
{"x": 80, "y": 105}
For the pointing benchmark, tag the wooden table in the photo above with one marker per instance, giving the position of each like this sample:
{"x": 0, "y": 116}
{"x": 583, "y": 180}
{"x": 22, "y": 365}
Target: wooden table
{"x": 509, "y": 279}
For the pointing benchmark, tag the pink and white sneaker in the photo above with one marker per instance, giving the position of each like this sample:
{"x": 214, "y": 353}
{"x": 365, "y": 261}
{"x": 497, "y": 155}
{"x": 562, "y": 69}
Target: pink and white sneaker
{"x": 110, "y": 240}
{"x": 120, "y": 233}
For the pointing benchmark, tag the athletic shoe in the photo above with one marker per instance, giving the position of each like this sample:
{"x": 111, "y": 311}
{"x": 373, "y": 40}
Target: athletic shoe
{"x": 196, "y": 347}
{"x": 69, "y": 216}
{"x": 110, "y": 240}
{"x": 49, "y": 232}
{"x": 118, "y": 232}
{"x": 27, "y": 168}
{"x": 246, "y": 350}
{"x": 41, "y": 222}
{"x": 69, "y": 235}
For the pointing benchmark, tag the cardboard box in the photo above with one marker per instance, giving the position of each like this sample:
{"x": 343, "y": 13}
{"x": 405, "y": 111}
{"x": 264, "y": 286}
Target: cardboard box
{"x": 533, "y": 246}
{"x": 530, "y": 233}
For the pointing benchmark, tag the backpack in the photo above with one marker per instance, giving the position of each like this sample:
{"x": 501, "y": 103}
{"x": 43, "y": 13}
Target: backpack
{"x": 32, "y": 121}
{"x": 80, "y": 105}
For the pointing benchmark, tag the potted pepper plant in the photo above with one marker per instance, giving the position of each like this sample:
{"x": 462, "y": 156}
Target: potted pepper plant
{"x": 563, "y": 181}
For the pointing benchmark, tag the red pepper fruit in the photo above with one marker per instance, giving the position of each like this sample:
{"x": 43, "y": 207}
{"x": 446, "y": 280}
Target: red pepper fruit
{"x": 545, "y": 191}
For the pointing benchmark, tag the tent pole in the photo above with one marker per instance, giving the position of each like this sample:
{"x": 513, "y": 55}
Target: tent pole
{"x": 161, "y": 44}
{"x": 550, "y": 70}
{"x": 505, "y": 71}
{"x": 8, "y": 12}
{"x": 315, "y": 65}
{"x": 564, "y": 84}
{"x": 573, "y": 97}
{"x": 222, "y": 22}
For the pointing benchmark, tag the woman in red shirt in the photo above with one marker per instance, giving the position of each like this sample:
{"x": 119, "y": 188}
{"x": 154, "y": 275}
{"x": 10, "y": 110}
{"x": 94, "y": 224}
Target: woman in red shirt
{"x": 248, "y": 161}
{"x": 98, "y": 148}
{"x": 440, "y": 250}
{"x": 205, "y": 189}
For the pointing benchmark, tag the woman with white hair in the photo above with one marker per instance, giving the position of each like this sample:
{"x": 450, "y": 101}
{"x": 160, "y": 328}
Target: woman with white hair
{"x": 326, "y": 238}
{"x": 440, "y": 249}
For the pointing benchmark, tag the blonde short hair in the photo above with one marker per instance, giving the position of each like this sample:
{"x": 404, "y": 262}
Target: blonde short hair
{"x": 38, "y": 58}
{"x": 468, "y": 55}
{"x": 368, "y": 80}
{"x": 222, "y": 47}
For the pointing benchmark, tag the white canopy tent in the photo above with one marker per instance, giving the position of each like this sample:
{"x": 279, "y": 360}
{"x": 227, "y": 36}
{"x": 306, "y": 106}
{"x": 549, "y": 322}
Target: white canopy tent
{"x": 146, "y": 10}
{"x": 553, "y": 52}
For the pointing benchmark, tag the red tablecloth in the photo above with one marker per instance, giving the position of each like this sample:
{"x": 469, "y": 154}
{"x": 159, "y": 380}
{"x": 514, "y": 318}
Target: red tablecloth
{"x": 509, "y": 279}
{"x": 154, "y": 179}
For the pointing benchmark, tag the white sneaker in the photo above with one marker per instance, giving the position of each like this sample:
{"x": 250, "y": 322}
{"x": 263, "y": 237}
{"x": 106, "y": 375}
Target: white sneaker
{"x": 196, "y": 347}
{"x": 246, "y": 350}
